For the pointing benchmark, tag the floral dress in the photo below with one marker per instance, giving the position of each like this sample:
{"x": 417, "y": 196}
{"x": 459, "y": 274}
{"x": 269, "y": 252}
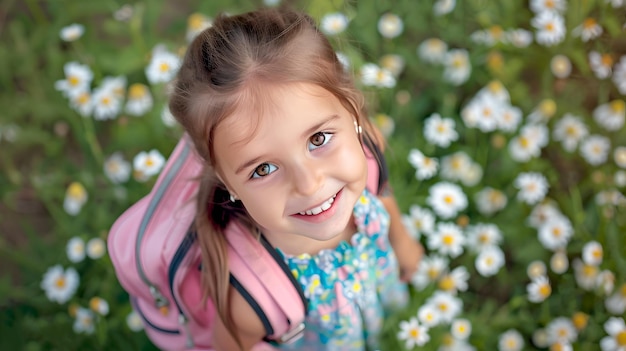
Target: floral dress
{"x": 349, "y": 289}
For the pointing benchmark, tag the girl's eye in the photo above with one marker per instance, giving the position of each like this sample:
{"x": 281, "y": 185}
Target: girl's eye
{"x": 319, "y": 139}
{"x": 263, "y": 170}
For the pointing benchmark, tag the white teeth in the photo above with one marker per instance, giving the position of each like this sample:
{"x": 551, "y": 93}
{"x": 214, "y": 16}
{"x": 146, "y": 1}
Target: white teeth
{"x": 323, "y": 207}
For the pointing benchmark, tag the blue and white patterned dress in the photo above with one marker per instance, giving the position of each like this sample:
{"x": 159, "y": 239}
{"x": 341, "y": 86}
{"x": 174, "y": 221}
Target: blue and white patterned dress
{"x": 350, "y": 288}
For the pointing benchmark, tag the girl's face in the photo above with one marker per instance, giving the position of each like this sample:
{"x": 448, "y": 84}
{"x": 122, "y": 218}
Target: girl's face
{"x": 299, "y": 170}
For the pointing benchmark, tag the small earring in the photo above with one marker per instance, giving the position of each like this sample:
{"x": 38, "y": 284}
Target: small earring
{"x": 358, "y": 128}
{"x": 232, "y": 198}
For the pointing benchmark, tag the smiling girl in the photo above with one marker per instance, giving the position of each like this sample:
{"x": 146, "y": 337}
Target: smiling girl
{"x": 285, "y": 140}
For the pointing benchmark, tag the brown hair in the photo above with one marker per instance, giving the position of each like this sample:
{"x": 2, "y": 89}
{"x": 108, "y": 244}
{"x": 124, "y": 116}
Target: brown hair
{"x": 222, "y": 66}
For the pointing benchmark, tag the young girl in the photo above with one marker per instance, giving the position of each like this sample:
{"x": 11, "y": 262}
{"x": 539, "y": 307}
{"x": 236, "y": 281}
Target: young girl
{"x": 282, "y": 130}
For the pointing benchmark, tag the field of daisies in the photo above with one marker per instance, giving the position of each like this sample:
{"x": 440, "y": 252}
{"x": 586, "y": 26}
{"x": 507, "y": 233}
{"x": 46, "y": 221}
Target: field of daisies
{"x": 507, "y": 151}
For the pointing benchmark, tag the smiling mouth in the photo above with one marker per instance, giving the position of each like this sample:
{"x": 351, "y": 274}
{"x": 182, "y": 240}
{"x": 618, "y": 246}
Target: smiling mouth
{"x": 321, "y": 208}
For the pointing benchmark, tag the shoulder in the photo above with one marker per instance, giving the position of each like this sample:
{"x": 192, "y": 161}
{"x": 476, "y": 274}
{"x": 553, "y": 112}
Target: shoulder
{"x": 248, "y": 326}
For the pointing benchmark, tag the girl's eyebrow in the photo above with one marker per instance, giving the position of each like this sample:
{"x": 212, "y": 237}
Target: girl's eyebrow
{"x": 306, "y": 133}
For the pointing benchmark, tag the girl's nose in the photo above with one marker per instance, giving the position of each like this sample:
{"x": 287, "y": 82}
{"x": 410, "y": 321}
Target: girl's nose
{"x": 307, "y": 178}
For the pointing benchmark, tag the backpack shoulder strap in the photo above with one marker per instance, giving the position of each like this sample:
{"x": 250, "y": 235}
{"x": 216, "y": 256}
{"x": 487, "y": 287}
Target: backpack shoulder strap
{"x": 264, "y": 280}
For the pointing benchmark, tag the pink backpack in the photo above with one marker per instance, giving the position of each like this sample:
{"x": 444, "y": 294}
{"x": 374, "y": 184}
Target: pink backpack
{"x": 158, "y": 263}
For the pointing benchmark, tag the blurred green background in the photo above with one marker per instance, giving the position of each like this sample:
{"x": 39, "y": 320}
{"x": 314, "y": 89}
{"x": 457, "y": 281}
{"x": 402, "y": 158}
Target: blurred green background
{"x": 50, "y": 154}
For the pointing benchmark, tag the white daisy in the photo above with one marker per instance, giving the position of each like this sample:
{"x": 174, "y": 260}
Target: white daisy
{"x": 454, "y": 166}
{"x": 461, "y": 328}
{"x": 148, "y": 163}
{"x": 619, "y": 178}
{"x": 539, "y": 289}
{"x": 430, "y": 269}
{"x": 561, "y": 66}
{"x": 446, "y": 199}
{"x": 457, "y": 67}
{"x": 163, "y": 66}
{"x": 84, "y": 322}
{"x": 334, "y": 23}
{"x": 483, "y": 235}
{"x": 616, "y": 303}
{"x": 601, "y": 64}
{"x": 390, "y": 25}
{"x": 75, "y": 249}
{"x": 196, "y": 23}
{"x": 592, "y": 253}
{"x": 519, "y": 37}
{"x": 616, "y": 328}
{"x": 72, "y": 32}
{"x": 586, "y": 275}
{"x": 447, "y": 239}
{"x": 134, "y": 321}
{"x": 489, "y": 261}
{"x": 75, "y": 197}
{"x": 422, "y": 219}
{"x": 96, "y": 248}
{"x": 561, "y": 329}
{"x": 432, "y": 50}
{"x": 393, "y": 63}
{"x": 524, "y": 147}
{"x": 448, "y": 305}
{"x": 619, "y": 156}
{"x": 570, "y": 130}
{"x": 595, "y": 149}
{"x": 443, "y": 7}
{"x": 542, "y": 213}
{"x": 615, "y": 3}
{"x": 99, "y": 305}
{"x": 610, "y": 115}
{"x": 588, "y": 30}
{"x": 167, "y": 117}
{"x": 428, "y": 315}
{"x": 606, "y": 281}
{"x": 489, "y": 201}
{"x": 556, "y": 233}
{"x": 536, "y": 269}
{"x": 454, "y": 281}
{"x": 550, "y": 28}
{"x": 619, "y": 75}
{"x": 481, "y": 110}
{"x": 139, "y": 100}
{"x": 559, "y": 263}
{"x": 538, "y": 6}
{"x": 532, "y": 187}
{"x": 510, "y": 340}
{"x": 473, "y": 175}
{"x": 610, "y": 197}
{"x": 116, "y": 168}
{"x": 117, "y": 85}
{"x": 124, "y": 13}
{"x": 81, "y": 103}
{"x": 77, "y": 79}
{"x": 542, "y": 112}
{"x": 373, "y": 75}
{"x": 106, "y": 103}
{"x": 412, "y": 333}
{"x": 450, "y": 343}
{"x": 60, "y": 285}
{"x": 509, "y": 118}
{"x": 440, "y": 130}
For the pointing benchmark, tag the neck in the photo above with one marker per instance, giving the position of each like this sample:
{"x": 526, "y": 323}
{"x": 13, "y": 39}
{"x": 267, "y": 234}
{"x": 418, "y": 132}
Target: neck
{"x": 295, "y": 245}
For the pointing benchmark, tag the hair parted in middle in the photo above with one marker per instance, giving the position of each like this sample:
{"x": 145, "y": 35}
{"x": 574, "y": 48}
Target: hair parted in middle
{"x": 230, "y": 65}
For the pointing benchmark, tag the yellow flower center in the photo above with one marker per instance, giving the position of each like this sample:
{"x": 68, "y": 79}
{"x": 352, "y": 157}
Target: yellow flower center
{"x": 580, "y": 320}
{"x": 149, "y": 162}
{"x": 76, "y": 190}
{"x": 164, "y": 67}
{"x": 618, "y": 106}
{"x": 483, "y": 238}
{"x": 524, "y": 142}
{"x": 549, "y": 27}
{"x": 442, "y": 307}
{"x": 620, "y": 338}
{"x": 60, "y": 282}
{"x": 547, "y": 107}
{"x": 607, "y": 60}
{"x": 73, "y": 80}
{"x": 556, "y": 232}
{"x": 623, "y": 290}
{"x": 545, "y": 290}
{"x": 195, "y": 21}
{"x": 448, "y": 199}
{"x": 489, "y": 261}
{"x": 589, "y": 270}
{"x": 441, "y": 128}
{"x": 414, "y": 333}
{"x": 380, "y": 76}
{"x": 448, "y": 239}
{"x": 137, "y": 91}
{"x": 550, "y": 4}
{"x": 106, "y": 101}
{"x": 83, "y": 99}
{"x": 495, "y": 86}
{"x": 446, "y": 283}
{"x": 589, "y": 23}
{"x": 571, "y": 131}
{"x": 556, "y": 347}
{"x": 95, "y": 303}
{"x": 433, "y": 273}
{"x": 496, "y": 32}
